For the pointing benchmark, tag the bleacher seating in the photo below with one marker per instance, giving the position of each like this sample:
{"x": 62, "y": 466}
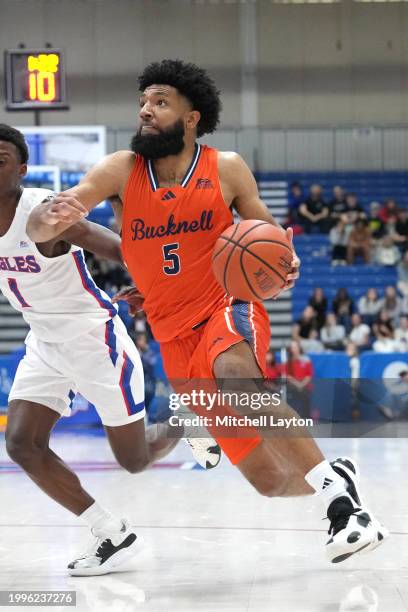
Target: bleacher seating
{"x": 314, "y": 250}
{"x": 316, "y": 271}
{"x": 369, "y": 186}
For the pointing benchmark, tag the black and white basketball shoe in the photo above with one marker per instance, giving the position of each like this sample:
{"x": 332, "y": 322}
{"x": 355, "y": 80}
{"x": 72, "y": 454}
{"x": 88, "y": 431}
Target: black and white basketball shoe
{"x": 107, "y": 552}
{"x": 205, "y": 451}
{"x": 353, "y": 528}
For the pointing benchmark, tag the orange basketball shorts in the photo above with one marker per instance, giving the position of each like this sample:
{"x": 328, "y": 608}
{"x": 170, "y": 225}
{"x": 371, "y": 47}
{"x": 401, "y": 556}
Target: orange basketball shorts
{"x": 193, "y": 356}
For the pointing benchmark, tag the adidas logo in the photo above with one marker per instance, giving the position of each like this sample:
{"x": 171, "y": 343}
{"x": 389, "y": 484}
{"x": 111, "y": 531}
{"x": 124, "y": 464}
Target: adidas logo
{"x": 169, "y": 195}
{"x": 204, "y": 183}
{"x": 326, "y": 483}
{"x": 23, "y": 244}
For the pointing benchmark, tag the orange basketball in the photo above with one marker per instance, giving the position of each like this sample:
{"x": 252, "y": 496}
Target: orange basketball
{"x": 252, "y": 259}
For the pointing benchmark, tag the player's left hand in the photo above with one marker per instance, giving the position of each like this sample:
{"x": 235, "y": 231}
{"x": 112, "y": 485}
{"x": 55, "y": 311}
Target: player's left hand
{"x": 132, "y": 296}
{"x": 294, "y": 273}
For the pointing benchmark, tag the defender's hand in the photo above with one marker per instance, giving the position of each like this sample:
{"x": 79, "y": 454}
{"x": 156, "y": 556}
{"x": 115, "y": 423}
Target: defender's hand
{"x": 132, "y": 296}
{"x": 64, "y": 208}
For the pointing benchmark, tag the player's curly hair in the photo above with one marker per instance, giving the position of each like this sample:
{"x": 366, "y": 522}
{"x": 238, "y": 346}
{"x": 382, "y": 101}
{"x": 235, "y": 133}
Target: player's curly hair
{"x": 193, "y": 83}
{"x": 10, "y": 134}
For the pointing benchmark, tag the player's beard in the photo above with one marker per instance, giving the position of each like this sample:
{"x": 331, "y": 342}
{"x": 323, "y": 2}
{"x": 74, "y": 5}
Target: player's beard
{"x": 165, "y": 143}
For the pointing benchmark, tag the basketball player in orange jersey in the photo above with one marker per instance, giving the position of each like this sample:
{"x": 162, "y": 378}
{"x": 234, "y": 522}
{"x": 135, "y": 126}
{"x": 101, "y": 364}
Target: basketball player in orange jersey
{"x": 177, "y": 198}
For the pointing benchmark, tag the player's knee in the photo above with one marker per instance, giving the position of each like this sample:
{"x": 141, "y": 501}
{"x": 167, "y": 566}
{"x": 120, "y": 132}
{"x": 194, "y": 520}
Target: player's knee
{"x": 134, "y": 463}
{"x": 21, "y": 449}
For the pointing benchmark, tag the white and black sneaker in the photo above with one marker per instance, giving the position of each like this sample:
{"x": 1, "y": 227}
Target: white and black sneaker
{"x": 206, "y": 452}
{"x": 348, "y": 469}
{"x": 353, "y": 528}
{"x": 106, "y": 553}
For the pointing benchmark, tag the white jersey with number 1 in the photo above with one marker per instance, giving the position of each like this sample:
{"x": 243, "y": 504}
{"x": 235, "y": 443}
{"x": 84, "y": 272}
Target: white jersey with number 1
{"x": 56, "y": 296}
{"x": 76, "y": 342}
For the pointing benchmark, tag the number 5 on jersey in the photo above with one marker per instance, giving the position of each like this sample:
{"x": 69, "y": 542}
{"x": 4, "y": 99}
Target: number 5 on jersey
{"x": 172, "y": 258}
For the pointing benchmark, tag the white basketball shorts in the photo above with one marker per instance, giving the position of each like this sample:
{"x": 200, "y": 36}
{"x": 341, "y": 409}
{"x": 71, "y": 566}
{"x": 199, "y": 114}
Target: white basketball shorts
{"x": 103, "y": 365}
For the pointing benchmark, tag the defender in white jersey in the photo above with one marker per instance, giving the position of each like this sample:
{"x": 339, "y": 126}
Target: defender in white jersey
{"x": 76, "y": 343}
{"x": 74, "y": 329}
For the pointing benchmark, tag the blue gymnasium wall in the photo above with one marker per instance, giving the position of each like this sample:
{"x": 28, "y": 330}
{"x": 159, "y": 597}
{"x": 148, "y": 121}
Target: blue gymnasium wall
{"x": 331, "y": 392}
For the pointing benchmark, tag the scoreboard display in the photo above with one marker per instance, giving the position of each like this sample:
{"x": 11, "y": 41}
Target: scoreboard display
{"x": 35, "y": 79}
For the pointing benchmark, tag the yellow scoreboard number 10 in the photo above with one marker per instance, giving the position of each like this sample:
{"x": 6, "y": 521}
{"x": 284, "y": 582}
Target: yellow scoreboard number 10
{"x": 35, "y": 79}
{"x": 41, "y": 79}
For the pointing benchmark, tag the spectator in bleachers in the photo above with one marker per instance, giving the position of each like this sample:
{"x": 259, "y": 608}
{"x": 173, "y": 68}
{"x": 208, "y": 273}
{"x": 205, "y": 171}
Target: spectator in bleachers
{"x": 391, "y": 304}
{"x": 354, "y": 362}
{"x": 305, "y": 324}
{"x": 383, "y": 326}
{"x": 359, "y": 242}
{"x": 295, "y": 199}
{"x": 353, "y": 211}
{"x": 402, "y": 270}
{"x": 369, "y": 305}
{"x": 298, "y": 371}
{"x": 395, "y": 403}
{"x": 343, "y": 307}
{"x": 401, "y": 334}
{"x": 318, "y": 302}
{"x": 386, "y": 253}
{"x": 400, "y": 233}
{"x": 339, "y": 238}
{"x": 314, "y": 212}
{"x": 337, "y": 205}
{"x": 333, "y": 334}
{"x": 388, "y": 212}
{"x": 375, "y": 224}
{"x": 360, "y": 333}
{"x": 312, "y": 344}
{"x": 273, "y": 372}
{"x": 385, "y": 343}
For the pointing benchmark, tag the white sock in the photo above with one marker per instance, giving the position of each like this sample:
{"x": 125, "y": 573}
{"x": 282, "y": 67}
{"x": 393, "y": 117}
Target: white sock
{"x": 97, "y": 517}
{"x": 327, "y": 483}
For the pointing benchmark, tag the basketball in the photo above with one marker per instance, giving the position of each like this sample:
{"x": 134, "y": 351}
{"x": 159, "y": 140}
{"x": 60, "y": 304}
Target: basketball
{"x": 252, "y": 259}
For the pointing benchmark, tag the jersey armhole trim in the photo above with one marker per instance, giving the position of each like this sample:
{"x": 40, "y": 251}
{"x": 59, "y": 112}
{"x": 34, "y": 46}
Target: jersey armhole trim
{"x": 230, "y": 206}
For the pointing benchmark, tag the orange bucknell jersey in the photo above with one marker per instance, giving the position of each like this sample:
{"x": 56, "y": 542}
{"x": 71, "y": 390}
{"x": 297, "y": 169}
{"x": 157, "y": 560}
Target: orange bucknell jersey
{"x": 168, "y": 235}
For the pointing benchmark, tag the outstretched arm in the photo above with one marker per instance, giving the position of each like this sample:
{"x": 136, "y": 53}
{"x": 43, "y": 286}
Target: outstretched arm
{"x": 94, "y": 238}
{"x": 50, "y": 219}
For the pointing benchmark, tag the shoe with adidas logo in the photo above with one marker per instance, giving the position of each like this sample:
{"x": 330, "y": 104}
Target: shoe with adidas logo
{"x": 353, "y": 528}
{"x": 107, "y": 552}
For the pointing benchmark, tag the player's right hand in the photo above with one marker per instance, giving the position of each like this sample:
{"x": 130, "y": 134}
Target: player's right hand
{"x": 64, "y": 208}
{"x": 132, "y": 296}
